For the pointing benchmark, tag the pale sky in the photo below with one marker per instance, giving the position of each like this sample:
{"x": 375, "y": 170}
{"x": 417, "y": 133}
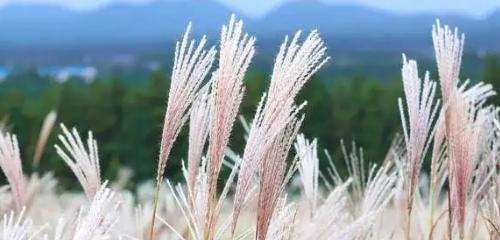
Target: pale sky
{"x": 256, "y": 8}
{"x": 83, "y": 5}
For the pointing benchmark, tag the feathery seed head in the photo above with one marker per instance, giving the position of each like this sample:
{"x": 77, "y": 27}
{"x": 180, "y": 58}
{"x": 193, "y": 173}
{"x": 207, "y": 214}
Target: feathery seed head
{"x": 191, "y": 65}
{"x": 16, "y": 228}
{"x": 10, "y": 162}
{"x": 47, "y": 126}
{"x": 100, "y": 217}
{"x": 417, "y": 122}
{"x": 448, "y": 47}
{"x": 83, "y": 161}
{"x": 294, "y": 65}
{"x": 235, "y": 54}
{"x": 308, "y": 169}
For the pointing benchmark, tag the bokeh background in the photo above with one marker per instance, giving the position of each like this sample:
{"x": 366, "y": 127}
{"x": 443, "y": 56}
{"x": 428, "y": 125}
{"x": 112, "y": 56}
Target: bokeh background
{"x": 104, "y": 66}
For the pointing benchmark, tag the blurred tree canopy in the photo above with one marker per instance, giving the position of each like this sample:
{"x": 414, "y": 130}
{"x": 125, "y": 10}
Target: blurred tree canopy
{"x": 126, "y": 119}
{"x": 491, "y": 74}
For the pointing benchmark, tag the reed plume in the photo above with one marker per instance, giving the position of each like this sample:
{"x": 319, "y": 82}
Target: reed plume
{"x": 10, "y": 162}
{"x": 294, "y": 65}
{"x": 309, "y": 170}
{"x": 16, "y": 228}
{"x": 273, "y": 176}
{"x": 438, "y": 171}
{"x": 191, "y": 65}
{"x": 100, "y": 217}
{"x": 83, "y": 161}
{"x": 235, "y": 54}
{"x": 192, "y": 62}
{"x": 464, "y": 119}
{"x": 417, "y": 125}
{"x": 198, "y": 133}
{"x": 47, "y": 126}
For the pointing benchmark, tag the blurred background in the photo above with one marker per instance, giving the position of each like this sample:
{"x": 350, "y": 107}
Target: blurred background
{"x": 104, "y": 66}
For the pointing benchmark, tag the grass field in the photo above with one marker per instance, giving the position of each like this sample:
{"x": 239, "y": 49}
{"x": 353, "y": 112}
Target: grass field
{"x": 274, "y": 188}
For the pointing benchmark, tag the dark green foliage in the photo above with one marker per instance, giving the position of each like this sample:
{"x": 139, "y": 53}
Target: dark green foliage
{"x": 491, "y": 74}
{"x": 127, "y": 118}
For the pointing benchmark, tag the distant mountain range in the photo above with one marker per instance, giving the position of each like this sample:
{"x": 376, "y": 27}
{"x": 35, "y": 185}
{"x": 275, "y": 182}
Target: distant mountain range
{"x": 160, "y": 22}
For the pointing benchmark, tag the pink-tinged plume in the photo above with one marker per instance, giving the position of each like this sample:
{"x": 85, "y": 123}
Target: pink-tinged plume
{"x": 236, "y": 52}
{"x": 83, "y": 161}
{"x": 417, "y": 124}
{"x": 10, "y": 162}
{"x": 294, "y": 65}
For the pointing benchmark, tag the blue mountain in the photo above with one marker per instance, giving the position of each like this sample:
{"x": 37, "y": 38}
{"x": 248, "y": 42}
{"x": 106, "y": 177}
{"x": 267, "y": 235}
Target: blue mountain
{"x": 161, "y": 22}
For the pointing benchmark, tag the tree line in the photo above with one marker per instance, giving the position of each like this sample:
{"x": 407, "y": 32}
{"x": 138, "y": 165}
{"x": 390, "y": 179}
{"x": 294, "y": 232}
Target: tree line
{"x": 126, "y": 119}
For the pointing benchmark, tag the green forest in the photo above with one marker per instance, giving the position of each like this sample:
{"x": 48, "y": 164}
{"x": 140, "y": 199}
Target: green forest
{"x": 126, "y": 118}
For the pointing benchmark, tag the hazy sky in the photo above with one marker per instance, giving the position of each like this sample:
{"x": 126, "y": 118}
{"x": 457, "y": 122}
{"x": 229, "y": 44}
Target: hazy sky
{"x": 257, "y": 8}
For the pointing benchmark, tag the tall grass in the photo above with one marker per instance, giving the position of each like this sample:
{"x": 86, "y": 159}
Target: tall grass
{"x": 457, "y": 199}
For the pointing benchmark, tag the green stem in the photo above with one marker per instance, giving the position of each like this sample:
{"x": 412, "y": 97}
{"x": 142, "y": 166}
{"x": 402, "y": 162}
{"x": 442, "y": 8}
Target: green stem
{"x": 155, "y": 206}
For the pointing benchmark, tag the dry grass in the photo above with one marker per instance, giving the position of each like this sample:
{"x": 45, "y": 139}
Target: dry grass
{"x": 395, "y": 200}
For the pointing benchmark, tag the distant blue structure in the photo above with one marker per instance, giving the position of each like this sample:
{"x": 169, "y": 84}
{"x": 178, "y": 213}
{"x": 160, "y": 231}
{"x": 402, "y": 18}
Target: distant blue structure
{"x": 63, "y": 73}
{"x": 4, "y": 73}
